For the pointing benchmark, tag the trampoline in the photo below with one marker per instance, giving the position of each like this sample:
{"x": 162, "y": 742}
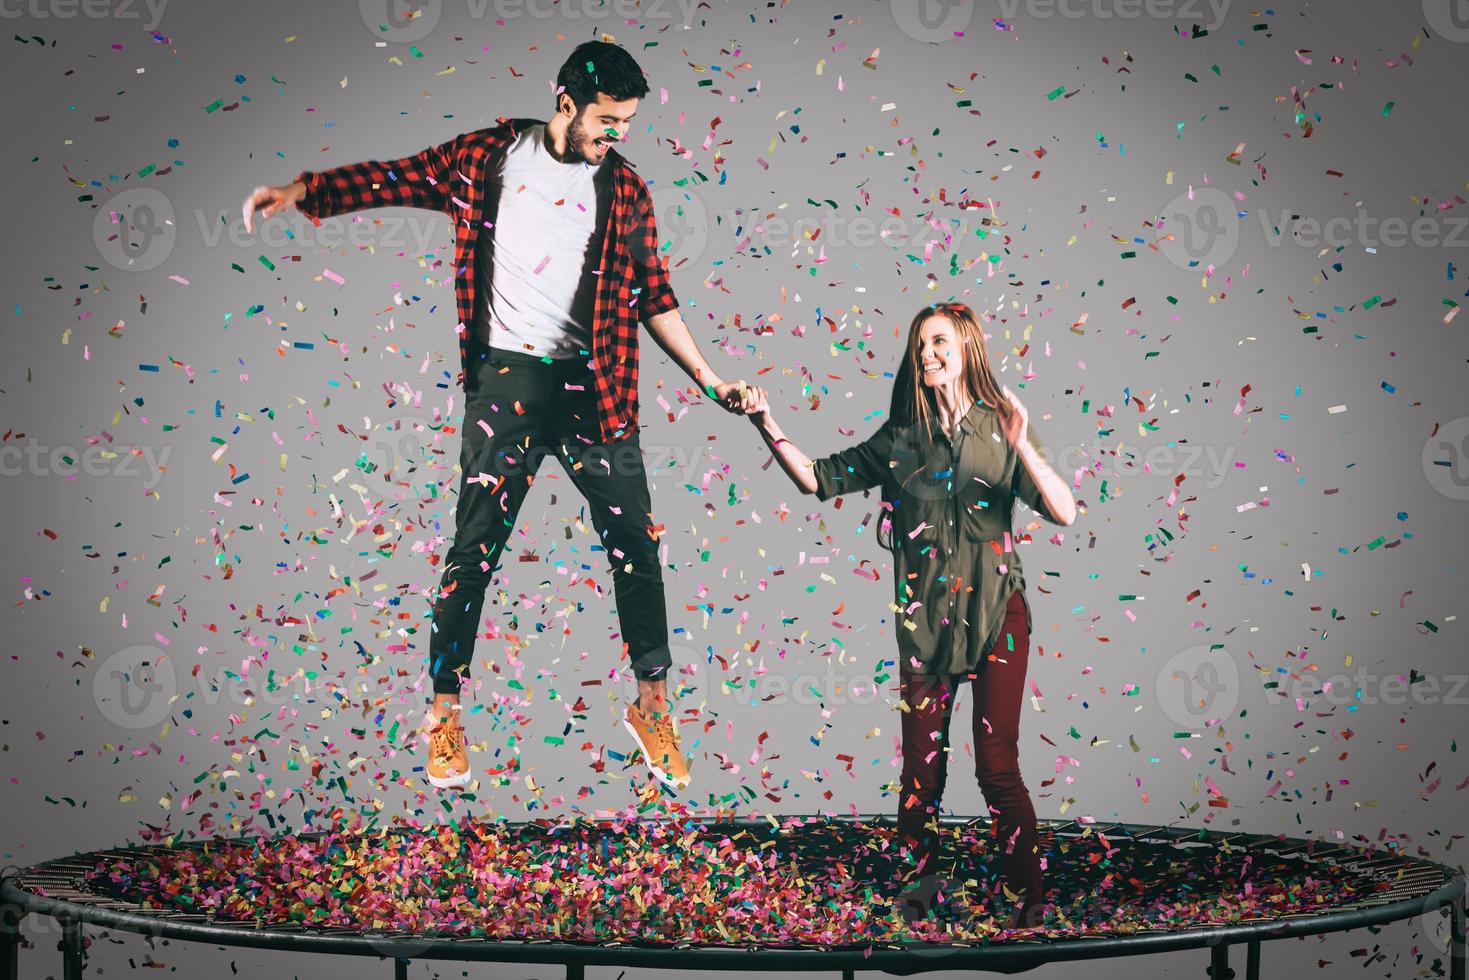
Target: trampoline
{"x": 796, "y": 893}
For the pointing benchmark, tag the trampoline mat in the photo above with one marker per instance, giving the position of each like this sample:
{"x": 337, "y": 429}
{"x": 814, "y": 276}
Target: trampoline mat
{"x": 796, "y": 883}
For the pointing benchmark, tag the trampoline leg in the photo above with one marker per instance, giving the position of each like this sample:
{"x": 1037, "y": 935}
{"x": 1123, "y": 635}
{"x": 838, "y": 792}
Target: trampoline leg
{"x": 849, "y": 974}
{"x": 71, "y": 949}
{"x": 576, "y": 971}
{"x": 1219, "y": 963}
{"x": 1456, "y": 939}
{"x": 1252, "y": 960}
{"x": 400, "y": 968}
{"x": 10, "y": 917}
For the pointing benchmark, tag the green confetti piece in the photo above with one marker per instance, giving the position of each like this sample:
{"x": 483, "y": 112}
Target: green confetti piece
{"x": 1052, "y": 96}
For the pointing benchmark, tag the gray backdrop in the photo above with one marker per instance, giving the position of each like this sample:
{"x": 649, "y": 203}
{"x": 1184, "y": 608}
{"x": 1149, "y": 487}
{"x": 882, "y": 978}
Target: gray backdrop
{"x": 1231, "y": 258}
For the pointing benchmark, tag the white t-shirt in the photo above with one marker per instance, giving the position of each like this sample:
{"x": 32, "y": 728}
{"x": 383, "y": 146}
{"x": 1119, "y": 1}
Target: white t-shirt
{"x": 538, "y": 290}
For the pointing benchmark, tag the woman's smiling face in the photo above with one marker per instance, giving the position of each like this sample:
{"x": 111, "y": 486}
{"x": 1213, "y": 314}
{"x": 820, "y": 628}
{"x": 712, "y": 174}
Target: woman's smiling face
{"x": 940, "y": 355}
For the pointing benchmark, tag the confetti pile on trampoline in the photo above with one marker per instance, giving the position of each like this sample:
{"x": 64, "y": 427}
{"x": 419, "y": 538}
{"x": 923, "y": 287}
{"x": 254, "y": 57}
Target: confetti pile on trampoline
{"x": 780, "y": 885}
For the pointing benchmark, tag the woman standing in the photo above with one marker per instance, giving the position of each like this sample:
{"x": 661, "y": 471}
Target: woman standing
{"x": 954, "y": 454}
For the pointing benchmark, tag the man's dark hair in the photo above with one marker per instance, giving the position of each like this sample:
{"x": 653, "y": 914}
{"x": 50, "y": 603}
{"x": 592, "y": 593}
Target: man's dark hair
{"x": 600, "y": 66}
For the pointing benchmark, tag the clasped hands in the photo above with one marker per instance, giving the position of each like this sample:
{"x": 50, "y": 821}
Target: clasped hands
{"x": 740, "y": 398}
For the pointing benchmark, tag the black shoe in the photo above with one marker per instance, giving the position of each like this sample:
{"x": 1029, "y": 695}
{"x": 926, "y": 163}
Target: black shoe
{"x": 1027, "y": 913}
{"x": 923, "y": 898}
{"x": 877, "y": 870}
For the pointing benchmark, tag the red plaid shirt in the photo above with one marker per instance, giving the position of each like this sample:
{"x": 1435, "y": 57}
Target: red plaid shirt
{"x": 453, "y": 177}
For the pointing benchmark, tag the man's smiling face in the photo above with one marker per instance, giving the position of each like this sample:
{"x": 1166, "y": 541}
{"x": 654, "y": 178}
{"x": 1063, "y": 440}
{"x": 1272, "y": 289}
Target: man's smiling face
{"x": 598, "y": 125}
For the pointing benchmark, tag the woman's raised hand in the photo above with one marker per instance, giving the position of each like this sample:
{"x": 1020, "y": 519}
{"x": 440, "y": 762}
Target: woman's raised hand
{"x": 1014, "y": 427}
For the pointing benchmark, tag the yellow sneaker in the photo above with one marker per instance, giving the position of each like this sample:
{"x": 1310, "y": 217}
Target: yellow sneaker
{"x": 448, "y": 759}
{"x": 658, "y": 739}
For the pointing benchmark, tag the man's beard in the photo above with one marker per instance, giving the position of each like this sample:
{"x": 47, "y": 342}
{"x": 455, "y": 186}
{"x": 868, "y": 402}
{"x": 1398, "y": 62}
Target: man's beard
{"x": 578, "y": 140}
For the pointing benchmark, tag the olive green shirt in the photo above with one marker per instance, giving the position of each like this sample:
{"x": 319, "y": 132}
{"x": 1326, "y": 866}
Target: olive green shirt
{"x": 950, "y": 518}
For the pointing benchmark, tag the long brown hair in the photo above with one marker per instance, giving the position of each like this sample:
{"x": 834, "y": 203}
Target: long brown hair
{"x": 914, "y": 403}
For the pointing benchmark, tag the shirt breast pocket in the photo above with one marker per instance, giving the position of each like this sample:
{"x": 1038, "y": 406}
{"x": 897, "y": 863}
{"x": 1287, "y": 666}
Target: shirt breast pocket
{"x": 984, "y": 494}
{"x": 979, "y": 517}
{"x": 911, "y": 527}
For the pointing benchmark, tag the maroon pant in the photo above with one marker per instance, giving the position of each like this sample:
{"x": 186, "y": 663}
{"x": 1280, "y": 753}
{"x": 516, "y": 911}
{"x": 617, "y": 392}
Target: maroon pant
{"x": 999, "y": 690}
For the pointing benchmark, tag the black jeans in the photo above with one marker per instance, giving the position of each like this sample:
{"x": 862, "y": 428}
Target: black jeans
{"x": 532, "y": 408}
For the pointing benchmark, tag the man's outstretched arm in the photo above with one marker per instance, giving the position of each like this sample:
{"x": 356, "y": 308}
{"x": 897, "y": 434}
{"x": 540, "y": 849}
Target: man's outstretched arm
{"x": 422, "y": 180}
{"x": 673, "y": 336}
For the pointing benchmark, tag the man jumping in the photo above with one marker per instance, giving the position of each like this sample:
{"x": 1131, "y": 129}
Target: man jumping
{"x": 557, "y": 260}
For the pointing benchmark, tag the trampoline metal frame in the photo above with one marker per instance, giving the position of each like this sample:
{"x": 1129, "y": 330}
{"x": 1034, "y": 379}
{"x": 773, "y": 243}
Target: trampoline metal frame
{"x": 1010, "y": 956}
